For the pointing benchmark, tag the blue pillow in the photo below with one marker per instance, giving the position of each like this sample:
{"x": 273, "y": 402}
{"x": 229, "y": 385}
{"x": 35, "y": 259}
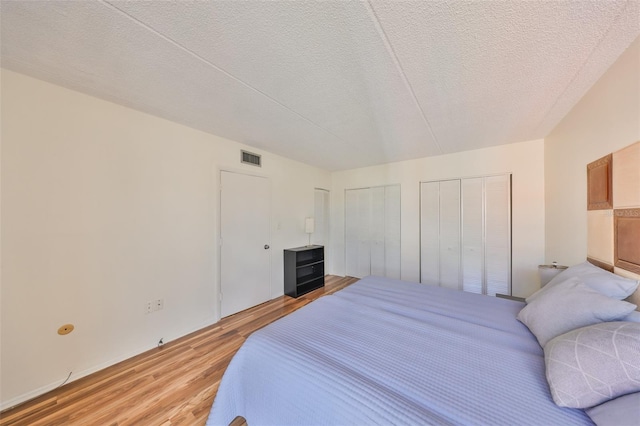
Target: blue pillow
{"x": 633, "y": 317}
{"x": 567, "y": 306}
{"x": 622, "y": 411}
{"x": 602, "y": 281}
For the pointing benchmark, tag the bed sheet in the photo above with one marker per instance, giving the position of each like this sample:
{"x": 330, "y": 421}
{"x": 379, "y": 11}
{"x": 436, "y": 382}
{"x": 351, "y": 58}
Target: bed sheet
{"x": 389, "y": 352}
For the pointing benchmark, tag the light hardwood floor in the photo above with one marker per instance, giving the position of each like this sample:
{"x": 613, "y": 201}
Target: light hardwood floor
{"x": 171, "y": 385}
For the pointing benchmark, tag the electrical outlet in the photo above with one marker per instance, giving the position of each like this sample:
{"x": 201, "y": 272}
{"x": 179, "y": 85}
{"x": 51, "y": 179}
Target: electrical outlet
{"x": 159, "y": 304}
{"x": 149, "y": 307}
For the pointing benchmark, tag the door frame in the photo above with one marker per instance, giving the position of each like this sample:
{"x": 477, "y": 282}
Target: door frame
{"x": 218, "y": 198}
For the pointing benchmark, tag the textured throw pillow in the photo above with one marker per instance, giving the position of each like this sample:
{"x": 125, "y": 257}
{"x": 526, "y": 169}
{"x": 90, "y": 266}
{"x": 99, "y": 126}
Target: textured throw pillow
{"x": 622, "y": 411}
{"x": 594, "y": 364}
{"x": 608, "y": 284}
{"x": 567, "y": 306}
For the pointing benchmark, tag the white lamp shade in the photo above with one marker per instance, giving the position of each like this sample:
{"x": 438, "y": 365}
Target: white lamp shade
{"x": 547, "y": 272}
{"x": 309, "y": 225}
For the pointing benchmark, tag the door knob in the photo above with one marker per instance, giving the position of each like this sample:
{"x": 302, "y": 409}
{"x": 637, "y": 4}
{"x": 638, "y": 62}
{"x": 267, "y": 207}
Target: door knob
{"x": 266, "y": 246}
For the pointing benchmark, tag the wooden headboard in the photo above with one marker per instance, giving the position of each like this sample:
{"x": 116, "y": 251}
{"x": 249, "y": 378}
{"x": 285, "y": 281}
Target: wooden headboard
{"x": 613, "y": 213}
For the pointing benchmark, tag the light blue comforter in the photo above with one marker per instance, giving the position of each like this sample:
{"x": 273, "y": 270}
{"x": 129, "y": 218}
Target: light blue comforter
{"x": 390, "y": 352}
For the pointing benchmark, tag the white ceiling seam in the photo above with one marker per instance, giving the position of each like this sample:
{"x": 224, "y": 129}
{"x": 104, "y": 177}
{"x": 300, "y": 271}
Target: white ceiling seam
{"x": 628, "y": 10}
{"x": 222, "y": 70}
{"x": 617, "y": 39}
{"x": 495, "y": 68}
{"x": 298, "y": 43}
{"x": 337, "y": 85}
{"x": 130, "y": 66}
{"x": 396, "y": 61}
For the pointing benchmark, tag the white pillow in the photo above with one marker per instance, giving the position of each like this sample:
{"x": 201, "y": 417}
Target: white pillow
{"x": 605, "y": 282}
{"x": 567, "y": 306}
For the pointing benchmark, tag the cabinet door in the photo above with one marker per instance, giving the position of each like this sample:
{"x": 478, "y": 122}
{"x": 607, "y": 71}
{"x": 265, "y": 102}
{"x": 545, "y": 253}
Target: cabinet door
{"x": 472, "y": 235}
{"x": 430, "y": 232}
{"x": 450, "y": 234}
{"x": 498, "y": 234}
{"x": 392, "y": 231}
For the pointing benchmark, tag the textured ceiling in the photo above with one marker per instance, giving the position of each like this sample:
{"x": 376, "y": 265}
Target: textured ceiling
{"x": 334, "y": 84}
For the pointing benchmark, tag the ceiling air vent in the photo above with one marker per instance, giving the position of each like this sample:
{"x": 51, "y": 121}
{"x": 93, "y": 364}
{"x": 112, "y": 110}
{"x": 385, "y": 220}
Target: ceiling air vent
{"x": 251, "y": 158}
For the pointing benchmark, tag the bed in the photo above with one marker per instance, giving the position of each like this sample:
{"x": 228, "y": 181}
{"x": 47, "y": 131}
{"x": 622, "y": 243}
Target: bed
{"x": 384, "y": 351}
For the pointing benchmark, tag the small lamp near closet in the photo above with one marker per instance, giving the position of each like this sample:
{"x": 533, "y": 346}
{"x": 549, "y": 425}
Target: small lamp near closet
{"x": 547, "y": 272}
{"x": 309, "y": 228}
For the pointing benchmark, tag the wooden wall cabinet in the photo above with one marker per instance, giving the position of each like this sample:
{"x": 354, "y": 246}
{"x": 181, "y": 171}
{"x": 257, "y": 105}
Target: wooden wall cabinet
{"x": 599, "y": 184}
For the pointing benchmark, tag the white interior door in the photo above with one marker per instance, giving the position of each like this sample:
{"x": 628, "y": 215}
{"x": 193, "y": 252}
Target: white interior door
{"x": 392, "y": 250}
{"x": 245, "y": 256}
{"x": 498, "y": 234}
{"x": 450, "y": 234}
{"x": 351, "y": 232}
{"x": 465, "y": 234}
{"x": 472, "y": 235}
{"x": 430, "y": 233}
{"x": 377, "y": 215}
{"x": 372, "y": 231}
{"x": 357, "y": 232}
{"x": 364, "y": 233}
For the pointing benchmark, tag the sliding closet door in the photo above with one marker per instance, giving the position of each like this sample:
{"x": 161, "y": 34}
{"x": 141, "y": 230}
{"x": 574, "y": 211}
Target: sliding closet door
{"x": 430, "y": 233}
{"x": 465, "y": 234}
{"x": 392, "y": 231}
{"x": 377, "y": 231}
{"x": 440, "y": 233}
{"x": 357, "y": 228}
{"x": 472, "y": 235}
{"x": 351, "y": 232}
{"x": 450, "y": 234}
{"x": 372, "y": 231}
{"x": 498, "y": 234}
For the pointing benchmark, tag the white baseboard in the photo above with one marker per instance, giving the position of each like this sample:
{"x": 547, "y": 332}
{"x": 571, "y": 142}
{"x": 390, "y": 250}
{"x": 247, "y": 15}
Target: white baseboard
{"x": 5, "y": 405}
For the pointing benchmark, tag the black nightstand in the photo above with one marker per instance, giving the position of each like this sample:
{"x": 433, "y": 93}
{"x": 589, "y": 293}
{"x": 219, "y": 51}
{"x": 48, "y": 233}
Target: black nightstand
{"x": 303, "y": 270}
{"x": 506, "y": 296}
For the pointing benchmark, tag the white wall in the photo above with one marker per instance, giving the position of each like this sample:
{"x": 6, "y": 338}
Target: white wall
{"x": 606, "y": 119}
{"x": 103, "y": 209}
{"x": 524, "y": 160}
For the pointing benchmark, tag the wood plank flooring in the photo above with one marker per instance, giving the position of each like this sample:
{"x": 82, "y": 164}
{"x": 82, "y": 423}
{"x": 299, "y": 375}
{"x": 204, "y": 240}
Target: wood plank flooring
{"x": 171, "y": 385}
